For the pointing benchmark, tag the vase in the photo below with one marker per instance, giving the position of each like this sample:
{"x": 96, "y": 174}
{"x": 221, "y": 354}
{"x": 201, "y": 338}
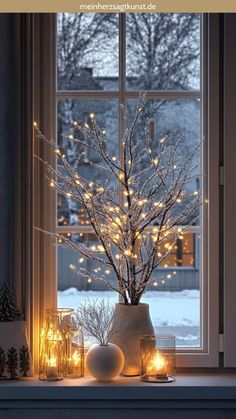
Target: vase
{"x": 132, "y": 322}
{"x": 104, "y": 362}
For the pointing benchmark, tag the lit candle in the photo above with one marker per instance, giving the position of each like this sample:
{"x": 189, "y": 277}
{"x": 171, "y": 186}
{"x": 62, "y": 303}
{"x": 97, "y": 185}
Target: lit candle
{"x": 52, "y": 369}
{"x": 158, "y": 365}
{"x": 76, "y": 359}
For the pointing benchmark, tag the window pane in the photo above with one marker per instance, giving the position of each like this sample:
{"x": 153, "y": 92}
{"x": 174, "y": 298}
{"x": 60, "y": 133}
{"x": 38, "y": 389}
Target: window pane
{"x": 74, "y": 270}
{"x": 87, "y": 51}
{"x": 172, "y": 120}
{"x": 163, "y": 51}
{"x": 178, "y": 313}
{"x": 76, "y": 276}
{"x": 174, "y": 302}
{"x": 69, "y": 111}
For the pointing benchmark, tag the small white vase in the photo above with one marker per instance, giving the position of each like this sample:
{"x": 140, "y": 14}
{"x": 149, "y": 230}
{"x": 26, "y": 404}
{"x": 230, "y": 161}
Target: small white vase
{"x": 105, "y": 362}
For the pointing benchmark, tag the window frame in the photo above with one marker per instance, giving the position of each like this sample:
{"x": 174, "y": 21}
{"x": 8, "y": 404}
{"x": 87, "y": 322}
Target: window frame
{"x": 44, "y": 199}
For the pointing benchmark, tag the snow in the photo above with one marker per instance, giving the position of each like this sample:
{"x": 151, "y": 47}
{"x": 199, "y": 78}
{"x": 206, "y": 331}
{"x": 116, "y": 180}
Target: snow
{"x": 171, "y": 312}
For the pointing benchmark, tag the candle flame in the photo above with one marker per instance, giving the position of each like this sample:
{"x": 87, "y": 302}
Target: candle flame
{"x": 52, "y": 362}
{"x": 76, "y": 358}
{"x": 158, "y": 364}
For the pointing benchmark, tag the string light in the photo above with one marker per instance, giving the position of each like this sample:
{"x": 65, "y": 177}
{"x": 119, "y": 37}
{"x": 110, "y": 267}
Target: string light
{"x": 126, "y": 236}
{"x": 155, "y": 162}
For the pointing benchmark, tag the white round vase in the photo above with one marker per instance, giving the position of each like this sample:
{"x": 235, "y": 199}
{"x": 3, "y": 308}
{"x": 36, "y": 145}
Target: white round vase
{"x": 105, "y": 362}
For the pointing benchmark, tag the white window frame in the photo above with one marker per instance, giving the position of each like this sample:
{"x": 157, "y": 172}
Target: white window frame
{"x": 45, "y": 203}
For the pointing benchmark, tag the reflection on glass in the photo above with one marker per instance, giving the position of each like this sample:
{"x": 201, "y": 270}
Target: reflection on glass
{"x": 82, "y": 112}
{"x": 163, "y": 51}
{"x": 183, "y": 253}
{"x": 87, "y": 51}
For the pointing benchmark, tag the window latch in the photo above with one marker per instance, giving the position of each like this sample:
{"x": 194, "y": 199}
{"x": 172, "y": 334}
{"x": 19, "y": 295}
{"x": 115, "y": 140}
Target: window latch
{"x": 222, "y": 176}
{"x": 221, "y": 343}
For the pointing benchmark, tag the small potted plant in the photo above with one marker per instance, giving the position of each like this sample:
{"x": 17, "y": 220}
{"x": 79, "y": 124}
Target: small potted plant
{"x": 104, "y": 360}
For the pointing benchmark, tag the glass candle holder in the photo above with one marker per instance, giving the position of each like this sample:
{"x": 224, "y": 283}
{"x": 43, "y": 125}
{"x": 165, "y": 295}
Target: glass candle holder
{"x": 61, "y": 346}
{"x": 157, "y": 354}
{"x": 75, "y": 350}
{"x": 52, "y": 345}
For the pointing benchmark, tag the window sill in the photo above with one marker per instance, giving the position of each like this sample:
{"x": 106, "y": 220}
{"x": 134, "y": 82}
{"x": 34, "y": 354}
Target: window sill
{"x": 192, "y": 390}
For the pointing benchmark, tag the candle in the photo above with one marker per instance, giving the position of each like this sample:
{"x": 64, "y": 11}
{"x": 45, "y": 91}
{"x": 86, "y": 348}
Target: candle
{"x": 76, "y": 359}
{"x": 52, "y": 369}
{"x": 158, "y": 365}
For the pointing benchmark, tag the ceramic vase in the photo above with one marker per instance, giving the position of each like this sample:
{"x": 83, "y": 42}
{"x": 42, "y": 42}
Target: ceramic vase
{"x": 104, "y": 362}
{"x": 132, "y": 322}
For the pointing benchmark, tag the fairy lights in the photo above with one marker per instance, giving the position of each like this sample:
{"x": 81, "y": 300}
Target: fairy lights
{"x": 137, "y": 231}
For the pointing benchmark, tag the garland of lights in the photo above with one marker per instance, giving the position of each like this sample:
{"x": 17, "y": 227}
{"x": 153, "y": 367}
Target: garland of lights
{"x": 151, "y": 213}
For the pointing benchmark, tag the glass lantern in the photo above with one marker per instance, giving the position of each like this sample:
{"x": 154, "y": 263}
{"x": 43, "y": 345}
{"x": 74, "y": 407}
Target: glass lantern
{"x": 157, "y": 354}
{"x": 52, "y": 345}
{"x": 75, "y": 350}
{"x": 61, "y": 346}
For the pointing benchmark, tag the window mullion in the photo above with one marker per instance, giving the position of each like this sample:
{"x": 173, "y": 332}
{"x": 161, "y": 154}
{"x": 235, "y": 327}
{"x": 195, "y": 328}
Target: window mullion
{"x": 122, "y": 94}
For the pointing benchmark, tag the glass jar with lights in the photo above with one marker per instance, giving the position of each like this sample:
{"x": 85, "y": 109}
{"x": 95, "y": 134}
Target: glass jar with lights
{"x": 61, "y": 346}
{"x": 75, "y": 349}
{"x": 157, "y": 354}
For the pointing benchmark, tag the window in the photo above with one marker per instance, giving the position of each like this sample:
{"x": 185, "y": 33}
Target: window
{"x": 104, "y": 61}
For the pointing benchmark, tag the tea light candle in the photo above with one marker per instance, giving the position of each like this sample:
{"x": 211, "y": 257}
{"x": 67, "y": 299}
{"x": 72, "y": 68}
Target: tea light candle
{"x": 52, "y": 369}
{"x": 158, "y": 365}
{"x": 157, "y": 356}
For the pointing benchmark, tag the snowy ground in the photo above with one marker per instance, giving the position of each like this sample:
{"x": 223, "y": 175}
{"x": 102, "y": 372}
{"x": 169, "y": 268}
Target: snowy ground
{"x": 171, "y": 312}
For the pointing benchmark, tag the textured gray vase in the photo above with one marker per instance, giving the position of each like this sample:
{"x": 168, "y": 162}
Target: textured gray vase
{"x": 132, "y": 322}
